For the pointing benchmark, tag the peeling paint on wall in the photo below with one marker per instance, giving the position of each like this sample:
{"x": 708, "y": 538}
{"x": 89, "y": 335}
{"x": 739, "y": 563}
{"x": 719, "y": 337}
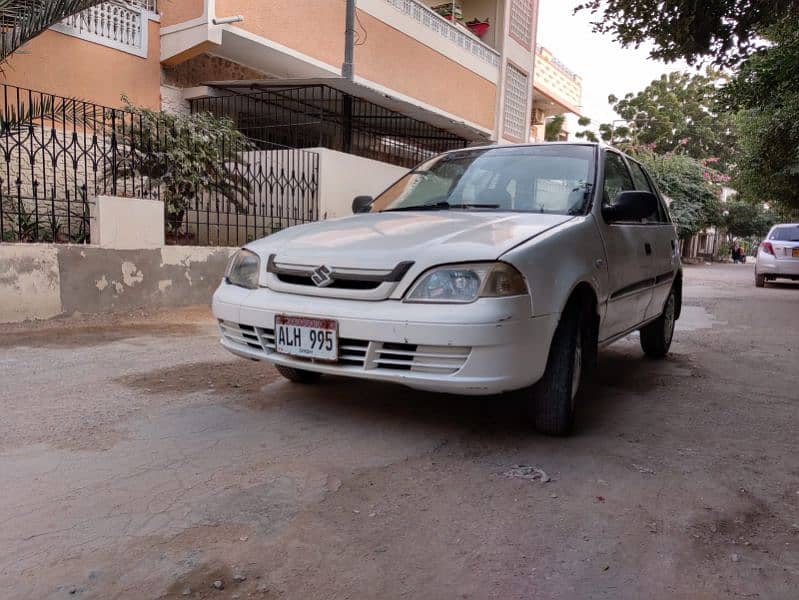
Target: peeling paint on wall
{"x": 131, "y": 275}
{"x": 40, "y": 281}
{"x": 29, "y": 282}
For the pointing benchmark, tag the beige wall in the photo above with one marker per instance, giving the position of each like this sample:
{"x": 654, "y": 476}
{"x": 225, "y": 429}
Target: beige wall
{"x": 68, "y": 66}
{"x": 313, "y": 27}
{"x": 178, "y": 11}
{"x": 424, "y": 74}
{"x": 562, "y": 86}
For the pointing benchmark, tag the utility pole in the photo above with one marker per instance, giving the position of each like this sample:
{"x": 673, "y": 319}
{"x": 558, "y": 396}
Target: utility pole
{"x": 348, "y": 72}
{"x": 348, "y": 68}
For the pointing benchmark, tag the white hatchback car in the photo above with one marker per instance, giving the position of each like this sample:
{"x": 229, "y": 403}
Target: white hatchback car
{"x": 482, "y": 271}
{"x": 778, "y": 255}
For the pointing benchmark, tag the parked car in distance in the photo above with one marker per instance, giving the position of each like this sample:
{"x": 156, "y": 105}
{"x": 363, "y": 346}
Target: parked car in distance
{"x": 481, "y": 271}
{"x": 778, "y": 255}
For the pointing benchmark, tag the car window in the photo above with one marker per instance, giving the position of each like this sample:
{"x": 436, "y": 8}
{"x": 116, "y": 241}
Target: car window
{"x": 617, "y": 178}
{"x": 642, "y": 184}
{"x": 543, "y": 179}
{"x": 785, "y": 234}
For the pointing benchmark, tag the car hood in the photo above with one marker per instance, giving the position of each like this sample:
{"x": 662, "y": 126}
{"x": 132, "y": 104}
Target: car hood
{"x": 381, "y": 240}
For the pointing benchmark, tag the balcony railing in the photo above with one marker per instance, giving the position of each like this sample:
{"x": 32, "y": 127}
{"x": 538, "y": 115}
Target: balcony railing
{"x": 436, "y": 23}
{"x": 120, "y": 26}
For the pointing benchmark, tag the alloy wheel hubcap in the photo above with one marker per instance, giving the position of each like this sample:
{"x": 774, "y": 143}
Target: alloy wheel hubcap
{"x": 577, "y": 367}
{"x": 668, "y": 321}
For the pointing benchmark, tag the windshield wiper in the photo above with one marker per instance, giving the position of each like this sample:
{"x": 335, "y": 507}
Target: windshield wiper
{"x": 439, "y": 206}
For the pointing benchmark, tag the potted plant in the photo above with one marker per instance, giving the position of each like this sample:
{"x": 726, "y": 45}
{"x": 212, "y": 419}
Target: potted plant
{"x": 478, "y": 27}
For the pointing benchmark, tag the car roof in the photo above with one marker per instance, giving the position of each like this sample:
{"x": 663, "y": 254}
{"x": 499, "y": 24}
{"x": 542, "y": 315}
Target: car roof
{"x": 600, "y": 145}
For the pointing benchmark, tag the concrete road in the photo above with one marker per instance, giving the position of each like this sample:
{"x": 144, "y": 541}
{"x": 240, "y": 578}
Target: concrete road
{"x": 139, "y": 460}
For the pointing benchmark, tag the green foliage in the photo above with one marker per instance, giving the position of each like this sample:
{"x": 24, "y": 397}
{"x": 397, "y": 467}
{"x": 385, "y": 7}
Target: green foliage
{"x": 676, "y": 112}
{"x": 689, "y": 186}
{"x": 554, "y": 128}
{"x": 766, "y": 93}
{"x": 725, "y": 30}
{"x": 23, "y": 20}
{"x": 185, "y": 155}
{"x": 744, "y": 219}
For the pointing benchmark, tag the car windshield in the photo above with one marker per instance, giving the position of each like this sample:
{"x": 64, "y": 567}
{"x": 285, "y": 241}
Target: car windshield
{"x": 553, "y": 179}
{"x": 786, "y": 234}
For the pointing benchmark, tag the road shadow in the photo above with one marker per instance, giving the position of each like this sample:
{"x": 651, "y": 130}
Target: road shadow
{"x": 617, "y": 385}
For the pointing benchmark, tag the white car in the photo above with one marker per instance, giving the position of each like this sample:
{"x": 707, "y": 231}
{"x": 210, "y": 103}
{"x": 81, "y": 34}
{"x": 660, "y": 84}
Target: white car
{"x": 778, "y": 255}
{"x": 482, "y": 271}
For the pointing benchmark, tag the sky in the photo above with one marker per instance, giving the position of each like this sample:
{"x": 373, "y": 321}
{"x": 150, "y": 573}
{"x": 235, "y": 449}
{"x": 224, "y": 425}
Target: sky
{"x": 606, "y": 67}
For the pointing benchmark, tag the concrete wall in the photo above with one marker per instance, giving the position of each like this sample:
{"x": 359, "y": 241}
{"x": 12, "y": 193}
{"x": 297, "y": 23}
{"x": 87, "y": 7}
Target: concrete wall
{"x": 41, "y": 281}
{"x": 344, "y": 176}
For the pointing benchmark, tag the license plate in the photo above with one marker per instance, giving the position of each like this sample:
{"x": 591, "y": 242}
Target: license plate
{"x": 306, "y": 337}
{"x": 796, "y": 252}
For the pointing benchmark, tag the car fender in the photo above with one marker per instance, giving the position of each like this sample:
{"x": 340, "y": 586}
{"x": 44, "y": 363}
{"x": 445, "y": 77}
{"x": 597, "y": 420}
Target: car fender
{"x": 558, "y": 261}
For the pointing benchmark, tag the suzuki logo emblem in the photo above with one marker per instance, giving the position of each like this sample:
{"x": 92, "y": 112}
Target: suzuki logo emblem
{"x": 322, "y": 276}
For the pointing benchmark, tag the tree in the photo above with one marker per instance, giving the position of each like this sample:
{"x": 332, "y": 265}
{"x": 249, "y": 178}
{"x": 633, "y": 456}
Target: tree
{"x": 725, "y": 30}
{"x": 744, "y": 219}
{"x": 554, "y": 130}
{"x": 184, "y": 155}
{"x": 765, "y": 94}
{"x": 23, "y": 20}
{"x": 688, "y": 184}
{"x": 679, "y": 111}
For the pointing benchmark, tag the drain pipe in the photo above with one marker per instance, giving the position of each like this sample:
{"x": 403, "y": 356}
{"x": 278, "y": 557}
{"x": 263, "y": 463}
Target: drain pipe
{"x": 348, "y": 68}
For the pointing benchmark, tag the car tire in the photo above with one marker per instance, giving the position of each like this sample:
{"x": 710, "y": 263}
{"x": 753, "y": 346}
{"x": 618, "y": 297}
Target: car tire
{"x": 298, "y": 375}
{"x": 554, "y": 397}
{"x": 760, "y": 280}
{"x": 657, "y": 336}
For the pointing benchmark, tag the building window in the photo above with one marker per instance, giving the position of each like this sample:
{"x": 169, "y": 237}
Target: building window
{"x": 515, "y": 105}
{"x": 521, "y": 21}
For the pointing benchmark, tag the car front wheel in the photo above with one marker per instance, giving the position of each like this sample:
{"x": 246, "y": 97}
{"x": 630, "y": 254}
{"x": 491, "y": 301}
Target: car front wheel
{"x": 554, "y": 397}
{"x": 760, "y": 280}
{"x": 298, "y": 375}
{"x": 656, "y": 337}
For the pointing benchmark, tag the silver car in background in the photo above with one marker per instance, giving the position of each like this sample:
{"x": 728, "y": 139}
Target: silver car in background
{"x": 778, "y": 255}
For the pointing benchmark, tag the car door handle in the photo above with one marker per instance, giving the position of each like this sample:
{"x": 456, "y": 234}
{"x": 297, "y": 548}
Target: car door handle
{"x": 648, "y": 248}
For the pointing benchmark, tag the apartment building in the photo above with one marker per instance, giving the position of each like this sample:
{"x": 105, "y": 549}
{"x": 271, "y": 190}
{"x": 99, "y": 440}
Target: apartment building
{"x": 445, "y": 73}
{"x": 557, "y": 90}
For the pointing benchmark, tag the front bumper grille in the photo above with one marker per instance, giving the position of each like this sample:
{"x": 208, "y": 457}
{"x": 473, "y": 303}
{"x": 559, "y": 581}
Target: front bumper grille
{"x": 358, "y": 354}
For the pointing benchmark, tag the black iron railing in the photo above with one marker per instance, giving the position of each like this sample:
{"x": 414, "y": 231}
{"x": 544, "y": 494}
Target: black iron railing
{"x": 58, "y": 154}
{"x": 308, "y": 116}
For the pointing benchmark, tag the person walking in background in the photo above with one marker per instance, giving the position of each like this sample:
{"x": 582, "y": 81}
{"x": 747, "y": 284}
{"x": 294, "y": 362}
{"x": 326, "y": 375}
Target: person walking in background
{"x": 738, "y": 253}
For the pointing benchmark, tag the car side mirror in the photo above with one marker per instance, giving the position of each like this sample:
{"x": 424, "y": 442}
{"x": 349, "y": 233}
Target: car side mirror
{"x": 631, "y": 206}
{"x": 361, "y": 204}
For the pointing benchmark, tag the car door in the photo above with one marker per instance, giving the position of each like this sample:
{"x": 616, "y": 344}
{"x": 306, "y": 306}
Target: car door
{"x": 629, "y": 263}
{"x": 660, "y": 237}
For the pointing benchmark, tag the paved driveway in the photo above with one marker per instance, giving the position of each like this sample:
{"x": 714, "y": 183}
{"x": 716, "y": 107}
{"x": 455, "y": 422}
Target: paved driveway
{"x": 139, "y": 460}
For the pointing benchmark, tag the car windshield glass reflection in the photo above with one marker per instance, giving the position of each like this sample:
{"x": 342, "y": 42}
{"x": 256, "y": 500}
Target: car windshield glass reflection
{"x": 541, "y": 179}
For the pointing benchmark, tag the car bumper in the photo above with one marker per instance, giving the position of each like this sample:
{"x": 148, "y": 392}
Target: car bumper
{"x": 487, "y": 347}
{"x": 769, "y": 265}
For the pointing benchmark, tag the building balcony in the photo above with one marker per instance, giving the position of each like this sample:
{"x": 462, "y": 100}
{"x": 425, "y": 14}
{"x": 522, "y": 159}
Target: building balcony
{"x": 404, "y": 49}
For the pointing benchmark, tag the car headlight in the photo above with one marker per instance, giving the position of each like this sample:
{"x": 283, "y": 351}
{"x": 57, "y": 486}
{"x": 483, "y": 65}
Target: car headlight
{"x": 243, "y": 269}
{"x": 467, "y": 282}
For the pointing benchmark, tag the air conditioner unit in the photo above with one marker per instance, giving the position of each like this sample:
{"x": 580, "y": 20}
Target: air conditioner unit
{"x": 538, "y": 116}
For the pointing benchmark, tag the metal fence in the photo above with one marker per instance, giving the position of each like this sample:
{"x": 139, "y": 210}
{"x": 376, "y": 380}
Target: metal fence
{"x": 307, "y": 116}
{"x": 59, "y": 154}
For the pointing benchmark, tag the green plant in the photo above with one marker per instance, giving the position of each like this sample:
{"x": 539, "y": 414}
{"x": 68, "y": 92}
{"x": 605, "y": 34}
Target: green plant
{"x": 554, "y": 128}
{"x": 688, "y": 183}
{"x": 184, "y": 155}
